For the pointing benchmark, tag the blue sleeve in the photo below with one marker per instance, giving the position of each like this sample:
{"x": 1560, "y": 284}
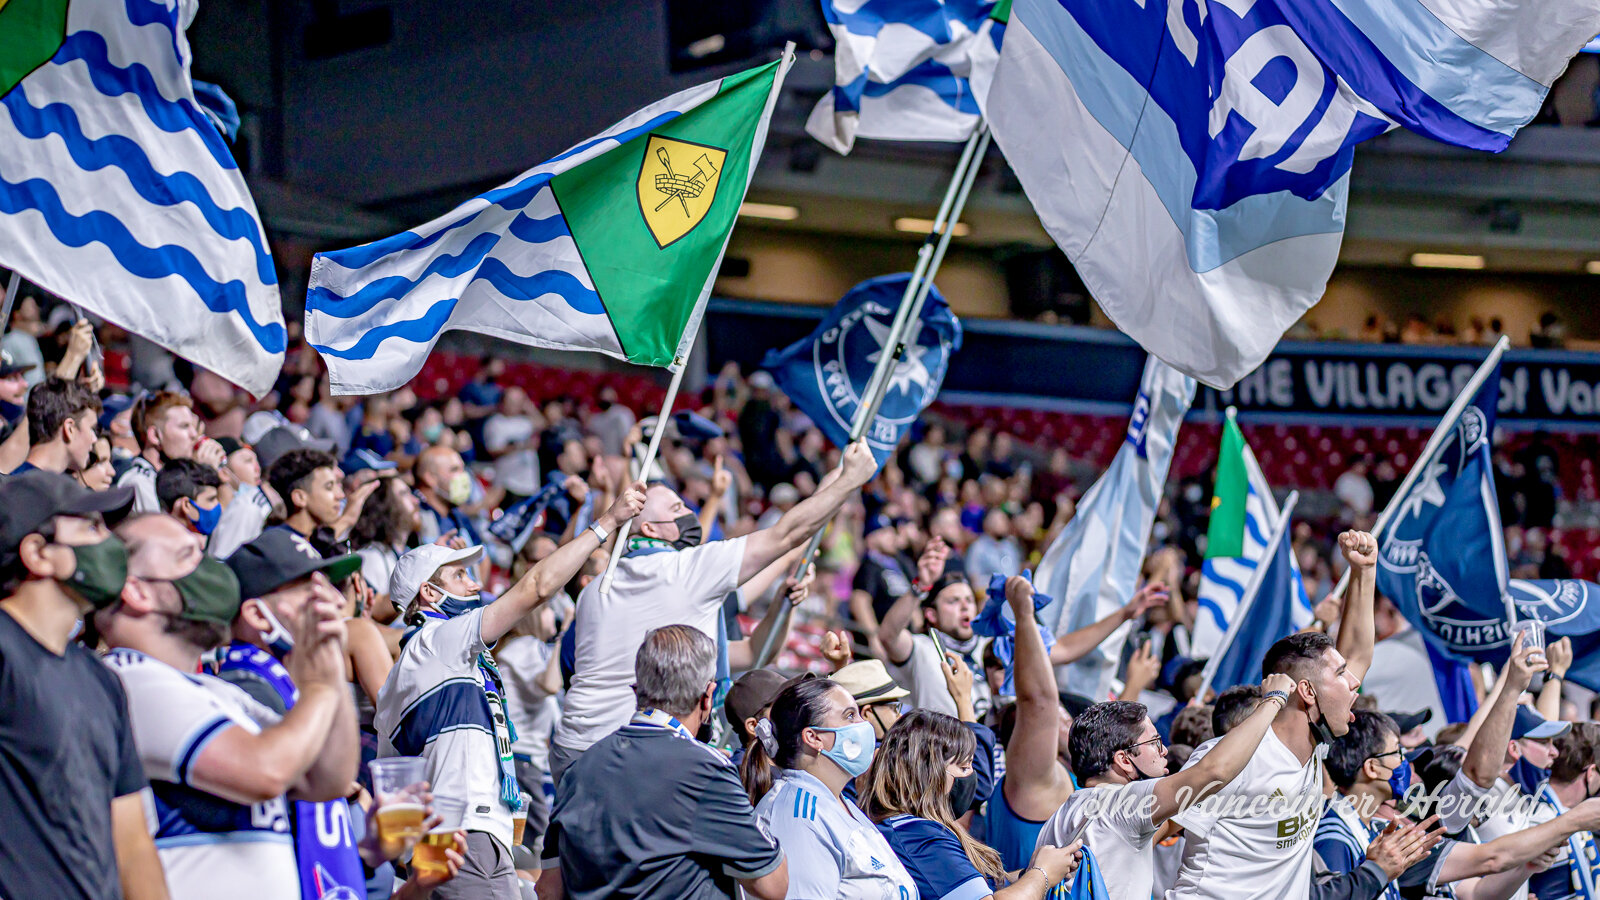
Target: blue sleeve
{"x": 932, "y": 854}
{"x": 1336, "y": 855}
{"x": 983, "y": 761}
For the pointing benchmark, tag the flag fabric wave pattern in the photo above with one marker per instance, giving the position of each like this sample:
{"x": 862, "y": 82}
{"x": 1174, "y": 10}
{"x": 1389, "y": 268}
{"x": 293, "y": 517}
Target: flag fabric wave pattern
{"x": 118, "y": 193}
{"x": 1195, "y": 159}
{"x": 610, "y": 247}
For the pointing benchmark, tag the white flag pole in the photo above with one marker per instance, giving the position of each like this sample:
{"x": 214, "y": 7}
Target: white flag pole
{"x": 1430, "y": 450}
{"x": 1251, "y": 591}
{"x": 908, "y": 316}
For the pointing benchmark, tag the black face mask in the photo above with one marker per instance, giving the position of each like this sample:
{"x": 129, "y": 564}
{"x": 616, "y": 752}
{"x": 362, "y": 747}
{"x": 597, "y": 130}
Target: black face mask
{"x": 688, "y": 531}
{"x": 962, "y": 793}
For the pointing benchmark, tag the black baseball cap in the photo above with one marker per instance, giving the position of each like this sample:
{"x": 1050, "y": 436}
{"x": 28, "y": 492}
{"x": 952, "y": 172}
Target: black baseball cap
{"x": 9, "y": 365}
{"x": 29, "y": 500}
{"x": 754, "y": 690}
{"x": 1408, "y": 721}
{"x": 279, "y": 557}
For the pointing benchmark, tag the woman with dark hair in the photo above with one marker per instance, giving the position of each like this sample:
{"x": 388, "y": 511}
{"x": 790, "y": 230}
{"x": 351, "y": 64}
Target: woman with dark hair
{"x": 812, "y": 744}
{"x": 388, "y": 521}
{"x": 920, "y": 773}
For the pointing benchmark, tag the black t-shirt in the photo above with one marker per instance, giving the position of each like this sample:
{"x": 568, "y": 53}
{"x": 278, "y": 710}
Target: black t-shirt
{"x": 645, "y": 813}
{"x": 886, "y": 578}
{"x": 66, "y": 750}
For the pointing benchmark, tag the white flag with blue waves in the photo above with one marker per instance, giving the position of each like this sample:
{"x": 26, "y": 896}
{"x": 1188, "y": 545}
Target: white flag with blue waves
{"x": 906, "y": 70}
{"x": 1193, "y": 158}
{"x": 1223, "y": 579}
{"x": 119, "y": 194}
{"x": 1092, "y": 568}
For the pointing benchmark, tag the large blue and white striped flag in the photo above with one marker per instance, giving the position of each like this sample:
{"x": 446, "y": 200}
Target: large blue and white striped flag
{"x": 906, "y": 70}
{"x": 1193, "y": 158}
{"x": 120, "y": 195}
{"x": 1092, "y": 568}
{"x": 1223, "y": 579}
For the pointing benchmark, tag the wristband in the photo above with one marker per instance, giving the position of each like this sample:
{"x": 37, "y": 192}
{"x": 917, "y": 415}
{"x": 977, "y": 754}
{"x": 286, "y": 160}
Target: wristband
{"x": 1277, "y": 695}
{"x": 599, "y": 532}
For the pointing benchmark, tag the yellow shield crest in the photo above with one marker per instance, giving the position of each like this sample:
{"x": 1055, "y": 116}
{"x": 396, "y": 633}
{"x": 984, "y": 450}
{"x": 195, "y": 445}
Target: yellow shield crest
{"x": 677, "y": 185}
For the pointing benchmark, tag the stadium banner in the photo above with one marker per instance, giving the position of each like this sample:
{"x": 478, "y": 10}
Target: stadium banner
{"x": 1368, "y": 384}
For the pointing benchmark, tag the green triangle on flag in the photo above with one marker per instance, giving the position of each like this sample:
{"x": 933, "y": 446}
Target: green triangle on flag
{"x": 652, "y": 217}
{"x": 1225, "y": 536}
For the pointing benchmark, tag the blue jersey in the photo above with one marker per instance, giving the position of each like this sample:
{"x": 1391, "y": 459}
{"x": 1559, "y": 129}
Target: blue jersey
{"x": 1009, "y": 833}
{"x": 933, "y": 855}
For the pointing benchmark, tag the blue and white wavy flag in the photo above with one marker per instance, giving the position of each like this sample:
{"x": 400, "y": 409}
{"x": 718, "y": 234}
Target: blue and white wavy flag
{"x": 907, "y": 70}
{"x": 119, "y": 194}
{"x": 1223, "y": 578}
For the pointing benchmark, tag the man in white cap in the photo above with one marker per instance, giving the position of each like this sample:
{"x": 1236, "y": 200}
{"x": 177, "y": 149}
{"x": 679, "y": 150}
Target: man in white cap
{"x": 443, "y": 699}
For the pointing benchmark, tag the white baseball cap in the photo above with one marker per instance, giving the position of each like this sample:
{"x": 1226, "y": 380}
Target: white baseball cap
{"x": 417, "y": 566}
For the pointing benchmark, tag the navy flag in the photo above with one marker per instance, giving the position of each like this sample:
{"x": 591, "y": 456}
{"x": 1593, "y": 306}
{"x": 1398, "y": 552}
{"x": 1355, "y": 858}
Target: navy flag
{"x": 826, "y": 373}
{"x": 1442, "y": 558}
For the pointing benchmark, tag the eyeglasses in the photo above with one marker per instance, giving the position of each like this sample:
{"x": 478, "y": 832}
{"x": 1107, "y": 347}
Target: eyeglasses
{"x": 1134, "y": 748}
{"x": 1398, "y": 751}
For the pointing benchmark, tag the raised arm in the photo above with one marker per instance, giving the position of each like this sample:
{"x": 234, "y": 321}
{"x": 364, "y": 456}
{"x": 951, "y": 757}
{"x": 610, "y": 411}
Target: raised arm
{"x": 721, "y": 480}
{"x": 742, "y": 653}
{"x": 892, "y": 631}
{"x": 763, "y": 548}
{"x": 1487, "y": 754}
{"x": 1075, "y": 645}
{"x": 1356, "y": 629}
{"x": 1559, "y": 655}
{"x": 552, "y": 573}
{"x": 1475, "y": 724}
{"x": 1514, "y": 849}
{"x": 1226, "y": 760}
{"x": 1035, "y": 782}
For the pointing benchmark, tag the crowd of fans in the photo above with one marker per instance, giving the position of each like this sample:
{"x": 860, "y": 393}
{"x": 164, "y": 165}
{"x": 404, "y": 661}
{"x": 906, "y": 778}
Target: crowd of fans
{"x": 342, "y": 647}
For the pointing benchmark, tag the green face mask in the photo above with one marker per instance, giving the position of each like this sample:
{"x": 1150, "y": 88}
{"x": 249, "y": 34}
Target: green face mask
{"x": 460, "y": 489}
{"x": 100, "y": 573}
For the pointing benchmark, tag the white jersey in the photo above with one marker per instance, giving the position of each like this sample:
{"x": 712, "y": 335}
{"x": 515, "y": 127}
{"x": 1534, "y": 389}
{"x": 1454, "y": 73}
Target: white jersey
{"x": 834, "y": 850}
{"x": 523, "y": 661}
{"x": 1114, "y": 821}
{"x": 203, "y": 840}
{"x": 433, "y": 705}
{"x": 1254, "y": 837}
{"x": 141, "y": 476}
{"x": 922, "y": 675}
{"x": 1518, "y": 815}
{"x": 241, "y": 521}
{"x": 652, "y": 588}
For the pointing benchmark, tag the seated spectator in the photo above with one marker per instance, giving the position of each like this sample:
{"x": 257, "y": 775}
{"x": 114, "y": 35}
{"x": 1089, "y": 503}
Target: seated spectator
{"x": 810, "y": 747}
{"x": 908, "y": 795}
{"x": 187, "y": 491}
{"x": 221, "y": 764}
{"x": 72, "y": 789}
{"x": 61, "y": 427}
{"x": 648, "y": 811}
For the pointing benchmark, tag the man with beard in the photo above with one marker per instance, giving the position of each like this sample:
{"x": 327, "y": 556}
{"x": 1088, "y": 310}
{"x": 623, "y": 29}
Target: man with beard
{"x": 72, "y": 791}
{"x": 1234, "y": 848}
{"x": 222, "y": 765}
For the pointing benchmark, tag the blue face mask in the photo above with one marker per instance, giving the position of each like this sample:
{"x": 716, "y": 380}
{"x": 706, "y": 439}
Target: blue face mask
{"x": 853, "y": 746}
{"x": 1400, "y": 780}
{"x": 1528, "y": 777}
{"x": 278, "y": 640}
{"x": 207, "y": 518}
{"x": 453, "y": 605}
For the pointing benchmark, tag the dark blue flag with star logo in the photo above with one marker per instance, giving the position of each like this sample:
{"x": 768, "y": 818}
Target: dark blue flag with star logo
{"x": 826, "y": 374}
{"x": 1442, "y": 559}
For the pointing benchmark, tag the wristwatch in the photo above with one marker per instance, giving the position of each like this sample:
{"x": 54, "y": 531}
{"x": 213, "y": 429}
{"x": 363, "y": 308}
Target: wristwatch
{"x": 599, "y": 532}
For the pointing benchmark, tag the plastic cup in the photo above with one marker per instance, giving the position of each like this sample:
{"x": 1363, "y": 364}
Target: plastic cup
{"x": 1532, "y": 631}
{"x": 519, "y": 819}
{"x": 428, "y": 858}
{"x": 397, "y": 788}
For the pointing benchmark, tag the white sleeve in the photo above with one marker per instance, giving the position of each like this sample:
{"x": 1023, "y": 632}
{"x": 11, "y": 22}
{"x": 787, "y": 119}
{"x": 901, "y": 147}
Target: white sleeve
{"x": 240, "y": 523}
{"x": 1132, "y": 807}
{"x": 172, "y": 717}
{"x": 708, "y": 573}
{"x": 144, "y": 490}
{"x": 1200, "y": 817}
{"x": 814, "y": 862}
{"x": 375, "y": 568}
{"x": 1457, "y": 802}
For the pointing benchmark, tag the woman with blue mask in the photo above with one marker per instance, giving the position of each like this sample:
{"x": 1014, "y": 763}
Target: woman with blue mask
{"x": 910, "y": 792}
{"x": 812, "y": 743}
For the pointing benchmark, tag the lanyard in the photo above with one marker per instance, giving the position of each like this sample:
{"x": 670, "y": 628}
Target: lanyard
{"x": 655, "y": 718}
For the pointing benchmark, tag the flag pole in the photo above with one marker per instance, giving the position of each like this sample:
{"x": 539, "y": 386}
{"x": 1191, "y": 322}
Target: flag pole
{"x": 12, "y": 287}
{"x": 908, "y": 316}
{"x": 1251, "y": 592}
{"x": 1431, "y": 449}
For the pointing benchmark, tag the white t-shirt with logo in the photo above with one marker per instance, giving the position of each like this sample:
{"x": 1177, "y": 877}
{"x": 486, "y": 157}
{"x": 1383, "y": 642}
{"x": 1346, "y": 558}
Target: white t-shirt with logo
{"x": 650, "y": 590}
{"x": 834, "y": 850}
{"x": 1114, "y": 822}
{"x": 1254, "y": 837}
{"x": 204, "y": 841}
{"x": 523, "y": 661}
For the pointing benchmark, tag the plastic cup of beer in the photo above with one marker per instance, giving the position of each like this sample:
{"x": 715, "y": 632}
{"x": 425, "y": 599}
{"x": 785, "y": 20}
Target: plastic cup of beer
{"x": 428, "y": 856}
{"x": 397, "y": 787}
{"x": 519, "y": 819}
{"x": 1532, "y": 631}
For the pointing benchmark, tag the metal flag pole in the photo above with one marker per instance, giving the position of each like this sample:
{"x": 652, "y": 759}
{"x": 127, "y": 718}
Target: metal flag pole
{"x": 907, "y": 317}
{"x": 12, "y": 287}
{"x": 1430, "y": 450}
{"x": 1252, "y": 591}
